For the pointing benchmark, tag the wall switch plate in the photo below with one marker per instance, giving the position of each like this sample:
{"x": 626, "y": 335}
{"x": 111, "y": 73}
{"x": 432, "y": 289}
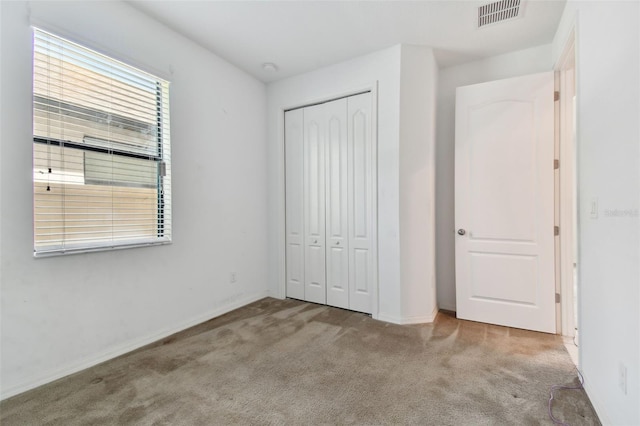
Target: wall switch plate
{"x": 593, "y": 208}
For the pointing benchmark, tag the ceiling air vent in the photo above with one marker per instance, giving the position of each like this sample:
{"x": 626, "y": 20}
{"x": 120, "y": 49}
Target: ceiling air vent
{"x": 497, "y": 12}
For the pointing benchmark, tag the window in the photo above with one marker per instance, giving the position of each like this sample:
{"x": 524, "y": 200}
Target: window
{"x": 101, "y": 151}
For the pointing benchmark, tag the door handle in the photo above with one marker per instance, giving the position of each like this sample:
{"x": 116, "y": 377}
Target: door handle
{"x": 461, "y": 231}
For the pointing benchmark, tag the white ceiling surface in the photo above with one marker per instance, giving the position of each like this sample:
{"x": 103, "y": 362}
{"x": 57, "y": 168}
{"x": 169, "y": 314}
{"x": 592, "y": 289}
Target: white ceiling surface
{"x": 301, "y": 36}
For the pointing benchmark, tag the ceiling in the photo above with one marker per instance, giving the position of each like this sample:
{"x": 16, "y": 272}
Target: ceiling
{"x": 300, "y": 36}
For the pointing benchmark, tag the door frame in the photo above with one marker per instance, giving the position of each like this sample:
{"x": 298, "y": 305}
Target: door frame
{"x": 282, "y": 258}
{"x": 566, "y": 84}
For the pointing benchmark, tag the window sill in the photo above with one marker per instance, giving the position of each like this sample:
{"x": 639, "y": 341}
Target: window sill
{"x": 51, "y": 252}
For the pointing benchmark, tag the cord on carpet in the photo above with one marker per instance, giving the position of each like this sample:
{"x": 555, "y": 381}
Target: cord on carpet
{"x": 562, "y": 387}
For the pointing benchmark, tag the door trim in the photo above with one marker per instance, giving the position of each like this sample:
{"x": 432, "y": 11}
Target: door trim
{"x": 568, "y": 183}
{"x": 282, "y": 276}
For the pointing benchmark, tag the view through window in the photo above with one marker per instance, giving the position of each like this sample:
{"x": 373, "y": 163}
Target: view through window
{"x": 101, "y": 151}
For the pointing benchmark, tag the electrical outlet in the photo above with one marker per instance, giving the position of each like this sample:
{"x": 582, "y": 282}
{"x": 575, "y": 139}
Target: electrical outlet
{"x": 232, "y": 277}
{"x": 622, "y": 378}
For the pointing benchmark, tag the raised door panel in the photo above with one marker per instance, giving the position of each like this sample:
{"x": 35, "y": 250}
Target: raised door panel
{"x": 336, "y": 204}
{"x": 503, "y": 173}
{"x": 294, "y": 136}
{"x": 314, "y": 204}
{"x": 361, "y": 202}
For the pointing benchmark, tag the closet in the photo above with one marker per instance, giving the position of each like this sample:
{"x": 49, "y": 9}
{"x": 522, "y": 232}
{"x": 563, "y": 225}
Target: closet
{"x": 330, "y": 178}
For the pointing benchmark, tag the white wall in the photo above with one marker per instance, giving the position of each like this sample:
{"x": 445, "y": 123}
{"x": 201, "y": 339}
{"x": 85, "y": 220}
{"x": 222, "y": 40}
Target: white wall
{"x": 608, "y": 133}
{"x": 383, "y": 67}
{"x": 65, "y": 313}
{"x": 418, "y": 90}
{"x": 522, "y": 62}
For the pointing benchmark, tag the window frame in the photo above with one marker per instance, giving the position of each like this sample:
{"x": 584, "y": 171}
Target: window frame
{"x": 161, "y": 156}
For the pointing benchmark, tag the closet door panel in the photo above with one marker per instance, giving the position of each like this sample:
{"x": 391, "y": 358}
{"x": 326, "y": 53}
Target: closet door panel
{"x": 361, "y": 268}
{"x": 337, "y": 204}
{"x": 294, "y": 135}
{"x": 361, "y": 194}
{"x": 314, "y": 204}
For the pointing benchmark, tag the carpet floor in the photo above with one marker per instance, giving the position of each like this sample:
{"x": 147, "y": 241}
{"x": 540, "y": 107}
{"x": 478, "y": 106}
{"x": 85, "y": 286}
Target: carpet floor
{"x": 289, "y": 362}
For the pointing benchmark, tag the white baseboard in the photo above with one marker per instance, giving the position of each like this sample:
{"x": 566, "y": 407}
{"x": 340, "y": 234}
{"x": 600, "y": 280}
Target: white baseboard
{"x": 603, "y": 416}
{"x": 419, "y": 319}
{"x": 129, "y": 346}
{"x": 275, "y": 295}
{"x": 446, "y": 307}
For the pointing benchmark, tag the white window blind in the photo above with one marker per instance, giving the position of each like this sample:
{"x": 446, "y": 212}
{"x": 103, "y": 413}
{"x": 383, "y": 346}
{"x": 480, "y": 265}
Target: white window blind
{"x": 101, "y": 151}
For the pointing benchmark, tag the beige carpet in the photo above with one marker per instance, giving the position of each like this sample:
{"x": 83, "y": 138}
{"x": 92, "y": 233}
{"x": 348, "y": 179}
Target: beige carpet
{"x": 290, "y": 362}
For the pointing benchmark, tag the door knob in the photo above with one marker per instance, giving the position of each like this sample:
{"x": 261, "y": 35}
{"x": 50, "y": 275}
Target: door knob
{"x": 338, "y": 243}
{"x": 461, "y": 231}
{"x": 315, "y": 242}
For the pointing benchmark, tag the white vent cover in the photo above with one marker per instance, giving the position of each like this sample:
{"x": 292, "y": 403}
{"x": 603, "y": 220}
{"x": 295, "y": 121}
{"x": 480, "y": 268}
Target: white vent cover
{"x": 498, "y": 11}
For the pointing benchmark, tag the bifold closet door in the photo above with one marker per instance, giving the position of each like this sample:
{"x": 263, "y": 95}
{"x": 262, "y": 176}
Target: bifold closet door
{"x": 314, "y": 206}
{"x": 294, "y": 136}
{"x": 337, "y": 222}
{"x": 362, "y": 202}
{"x": 330, "y": 203}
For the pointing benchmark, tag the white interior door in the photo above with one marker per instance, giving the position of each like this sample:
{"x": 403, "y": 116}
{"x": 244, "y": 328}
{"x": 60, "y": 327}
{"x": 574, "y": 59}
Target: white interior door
{"x": 504, "y": 194}
{"x": 362, "y": 203}
{"x": 336, "y": 204}
{"x": 294, "y": 139}
{"x": 314, "y": 204}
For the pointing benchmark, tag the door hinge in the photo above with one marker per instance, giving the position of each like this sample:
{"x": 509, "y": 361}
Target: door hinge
{"x": 556, "y": 230}
{"x": 556, "y": 164}
{"x": 162, "y": 169}
{"x": 556, "y": 96}
{"x": 557, "y": 297}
